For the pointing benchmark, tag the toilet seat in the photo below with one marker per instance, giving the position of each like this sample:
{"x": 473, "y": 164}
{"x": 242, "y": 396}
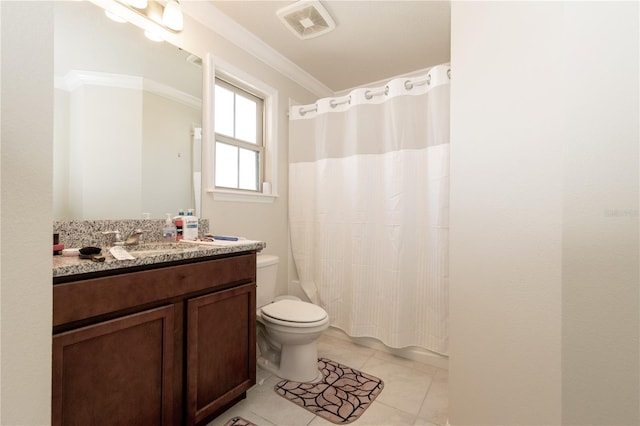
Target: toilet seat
{"x": 294, "y": 313}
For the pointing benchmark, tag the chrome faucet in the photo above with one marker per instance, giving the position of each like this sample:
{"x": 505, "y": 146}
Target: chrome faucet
{"x": 134, "y": 238}
{"x": 116, "y": 241}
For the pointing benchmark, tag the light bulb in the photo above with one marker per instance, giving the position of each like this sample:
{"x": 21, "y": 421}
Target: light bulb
{"x": 172, "y": 16}
{"x": 138, "y": 4}
{"x": 114, "y": 17}
{"x": 153, "y": 36}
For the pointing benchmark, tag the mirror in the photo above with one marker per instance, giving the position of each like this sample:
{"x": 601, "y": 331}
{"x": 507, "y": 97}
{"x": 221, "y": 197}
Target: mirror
{"x": 127, "y": 120}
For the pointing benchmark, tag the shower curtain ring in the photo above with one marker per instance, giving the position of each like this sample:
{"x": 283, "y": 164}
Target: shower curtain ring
{"x": 303, "y": 111}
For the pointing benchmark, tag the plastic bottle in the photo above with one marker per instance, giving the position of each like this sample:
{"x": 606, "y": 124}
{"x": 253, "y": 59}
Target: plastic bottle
{"x": 179, "y": 224}
{"x": 190, "y": 230}
{"x": 169, "y": 231}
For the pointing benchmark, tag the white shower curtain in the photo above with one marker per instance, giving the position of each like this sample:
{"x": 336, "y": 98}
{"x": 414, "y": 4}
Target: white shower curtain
{"x": 368, "y": 209}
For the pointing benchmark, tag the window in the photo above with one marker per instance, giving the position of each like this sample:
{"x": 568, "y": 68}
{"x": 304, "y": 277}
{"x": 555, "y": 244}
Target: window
{"x": 239, "y": 147}
{"x": 240, "y": 168}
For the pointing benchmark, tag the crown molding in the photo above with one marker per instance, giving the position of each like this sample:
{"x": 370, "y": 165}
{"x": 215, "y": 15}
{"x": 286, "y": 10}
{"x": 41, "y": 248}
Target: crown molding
{"x": 76, "y": 78}
{"x": 172, "y": 93}
{"x": 211, "y": 17}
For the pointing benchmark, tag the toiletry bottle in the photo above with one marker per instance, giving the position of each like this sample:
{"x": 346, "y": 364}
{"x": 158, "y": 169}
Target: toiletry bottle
{"x": 179, "y": 224}
{"x": 190, "y": 230}
{"x": 169, "y": 231}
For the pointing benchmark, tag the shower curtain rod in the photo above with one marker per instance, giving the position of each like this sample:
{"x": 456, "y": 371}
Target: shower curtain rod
{"x": 369, "y": 94}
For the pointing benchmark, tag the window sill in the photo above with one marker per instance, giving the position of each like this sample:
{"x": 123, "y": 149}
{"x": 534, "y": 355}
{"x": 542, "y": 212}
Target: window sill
{"x": 246, "y": 197}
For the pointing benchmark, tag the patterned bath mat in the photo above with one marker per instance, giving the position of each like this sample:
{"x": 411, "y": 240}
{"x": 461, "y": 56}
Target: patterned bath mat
{"x": 239, "y": 421}
{"x": 340, "y": 397}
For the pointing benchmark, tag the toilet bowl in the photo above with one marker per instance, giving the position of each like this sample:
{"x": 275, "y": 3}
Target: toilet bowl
{"x": 288, "y": 329}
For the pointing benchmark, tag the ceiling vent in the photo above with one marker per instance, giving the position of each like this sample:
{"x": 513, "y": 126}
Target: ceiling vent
{"x": 306, "y": 19}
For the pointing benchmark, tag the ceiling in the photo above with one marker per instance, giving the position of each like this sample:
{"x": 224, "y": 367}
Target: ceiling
{"x": 373, "y": 40}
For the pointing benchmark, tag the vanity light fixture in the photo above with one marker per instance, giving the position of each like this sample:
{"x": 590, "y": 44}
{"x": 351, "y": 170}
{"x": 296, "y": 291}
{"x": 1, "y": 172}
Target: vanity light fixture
{"x": 167, "y": 14}
{"x": 138, "y": 4}
{"x": 153, "y": 36}
{"x": 172, "y": 15}
{"x": 115, "y": 17}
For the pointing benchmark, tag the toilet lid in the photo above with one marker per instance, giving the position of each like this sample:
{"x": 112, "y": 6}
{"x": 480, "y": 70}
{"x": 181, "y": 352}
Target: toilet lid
{"x": 294, "y": 311}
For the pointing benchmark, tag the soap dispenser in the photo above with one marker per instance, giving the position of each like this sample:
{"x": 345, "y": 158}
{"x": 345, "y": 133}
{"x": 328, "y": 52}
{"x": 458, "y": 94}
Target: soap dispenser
{"x": 169, "y": 230}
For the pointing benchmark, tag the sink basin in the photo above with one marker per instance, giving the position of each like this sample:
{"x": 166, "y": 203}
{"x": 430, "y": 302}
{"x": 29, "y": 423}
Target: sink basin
{"x": 155, "y": 249}
{"x": 160, "y": 249}
{"x": 221, "y": 243}
{"x": 155, "y": 246}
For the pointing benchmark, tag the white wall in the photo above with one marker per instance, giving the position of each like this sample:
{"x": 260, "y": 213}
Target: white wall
{"x": 544, "y": 214}
{"x": 105, "y": 153}
{"x": 26, "y": 210}
{"x": 166, "y": 155}
{"x": 600, "y": 250}
{"x": 61, "y": 148}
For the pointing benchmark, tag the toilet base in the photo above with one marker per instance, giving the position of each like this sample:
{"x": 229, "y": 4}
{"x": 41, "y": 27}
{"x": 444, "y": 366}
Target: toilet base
{"x": 298, "y": 363}
{"x": 274, "y": 368}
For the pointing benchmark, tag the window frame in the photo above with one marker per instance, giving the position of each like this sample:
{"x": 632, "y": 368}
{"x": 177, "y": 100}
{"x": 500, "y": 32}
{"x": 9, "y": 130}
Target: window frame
{"x": 240, "y": 143}
{"x": 216, "y": 67}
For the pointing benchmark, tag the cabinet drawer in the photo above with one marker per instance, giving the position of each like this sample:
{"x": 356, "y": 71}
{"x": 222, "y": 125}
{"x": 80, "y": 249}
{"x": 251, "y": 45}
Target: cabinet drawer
{"x": 85, "y": 299}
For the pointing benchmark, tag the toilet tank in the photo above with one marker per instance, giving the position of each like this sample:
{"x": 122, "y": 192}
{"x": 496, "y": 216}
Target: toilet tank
{"x": 266, "y": 274}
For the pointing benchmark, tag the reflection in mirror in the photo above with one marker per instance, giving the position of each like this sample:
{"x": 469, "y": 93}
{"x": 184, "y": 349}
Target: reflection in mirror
{"x": 127, "y": 120}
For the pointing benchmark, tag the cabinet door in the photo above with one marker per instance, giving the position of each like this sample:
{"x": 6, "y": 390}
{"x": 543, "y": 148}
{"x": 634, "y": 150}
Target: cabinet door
{"x": 117, "y": 372}
{"x": 221, "y": 350}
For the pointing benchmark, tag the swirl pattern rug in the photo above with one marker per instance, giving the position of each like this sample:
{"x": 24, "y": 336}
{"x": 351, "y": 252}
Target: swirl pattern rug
{"x": 239, "y": 421}
{"x": 340, "y": 397}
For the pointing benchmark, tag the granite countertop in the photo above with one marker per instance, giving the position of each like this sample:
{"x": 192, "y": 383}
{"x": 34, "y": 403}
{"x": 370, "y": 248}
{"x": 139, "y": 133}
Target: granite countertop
{"x": 150, "y": 254}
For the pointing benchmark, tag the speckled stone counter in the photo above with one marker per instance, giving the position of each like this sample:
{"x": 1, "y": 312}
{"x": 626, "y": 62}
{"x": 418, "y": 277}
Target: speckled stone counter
{"x": 151, "y": 254}
{"x": 151, "y": 251}
{"x": 82, "y": 233}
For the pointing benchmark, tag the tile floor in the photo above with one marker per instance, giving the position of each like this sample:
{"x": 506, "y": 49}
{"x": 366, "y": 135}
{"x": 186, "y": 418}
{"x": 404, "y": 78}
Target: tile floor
{"x": 414, "y": 393}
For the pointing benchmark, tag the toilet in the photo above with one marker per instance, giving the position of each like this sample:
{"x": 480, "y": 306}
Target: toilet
{"x": 288, "y": 328}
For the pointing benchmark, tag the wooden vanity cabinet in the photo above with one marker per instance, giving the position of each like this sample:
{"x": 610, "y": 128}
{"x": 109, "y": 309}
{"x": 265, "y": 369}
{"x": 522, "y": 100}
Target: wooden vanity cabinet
{"x": 115, "y": 372}
{"x": 221, "y": 350}
{"x": 164, "y": 346}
